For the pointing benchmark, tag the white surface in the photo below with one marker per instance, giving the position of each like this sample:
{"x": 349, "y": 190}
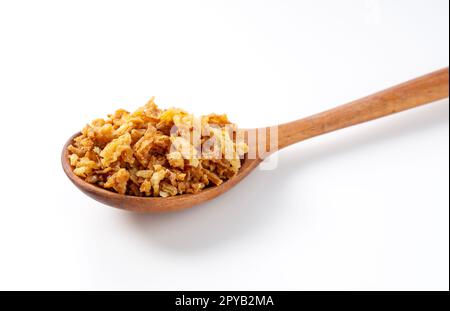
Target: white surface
{"x": 362, "y": 208}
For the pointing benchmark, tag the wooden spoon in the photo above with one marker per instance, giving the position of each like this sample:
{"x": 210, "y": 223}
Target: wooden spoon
{"x": 414, "y": 93}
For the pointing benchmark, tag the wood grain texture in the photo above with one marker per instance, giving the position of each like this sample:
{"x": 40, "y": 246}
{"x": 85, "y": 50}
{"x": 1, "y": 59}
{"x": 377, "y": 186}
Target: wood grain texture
{"x": 414, "y": 93}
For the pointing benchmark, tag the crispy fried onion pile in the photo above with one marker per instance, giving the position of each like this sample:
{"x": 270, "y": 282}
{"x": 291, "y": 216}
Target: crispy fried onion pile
{"x": 159, "y": 153}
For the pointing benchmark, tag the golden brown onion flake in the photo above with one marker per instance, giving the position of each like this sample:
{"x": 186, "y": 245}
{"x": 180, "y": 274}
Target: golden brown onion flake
{"x": 155, "y": 152}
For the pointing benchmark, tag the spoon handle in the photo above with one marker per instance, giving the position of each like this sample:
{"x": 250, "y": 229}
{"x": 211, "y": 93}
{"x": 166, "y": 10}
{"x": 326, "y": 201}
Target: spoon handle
{"x": 414, "y": 93}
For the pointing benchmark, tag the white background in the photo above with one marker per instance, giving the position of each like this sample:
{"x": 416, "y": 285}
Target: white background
{"x": 362, "y": 208}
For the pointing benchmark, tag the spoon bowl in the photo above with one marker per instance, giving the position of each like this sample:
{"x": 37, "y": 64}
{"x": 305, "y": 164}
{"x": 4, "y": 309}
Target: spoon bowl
{"x": 151, "y": 204}
{"x": 414, "y": 93}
